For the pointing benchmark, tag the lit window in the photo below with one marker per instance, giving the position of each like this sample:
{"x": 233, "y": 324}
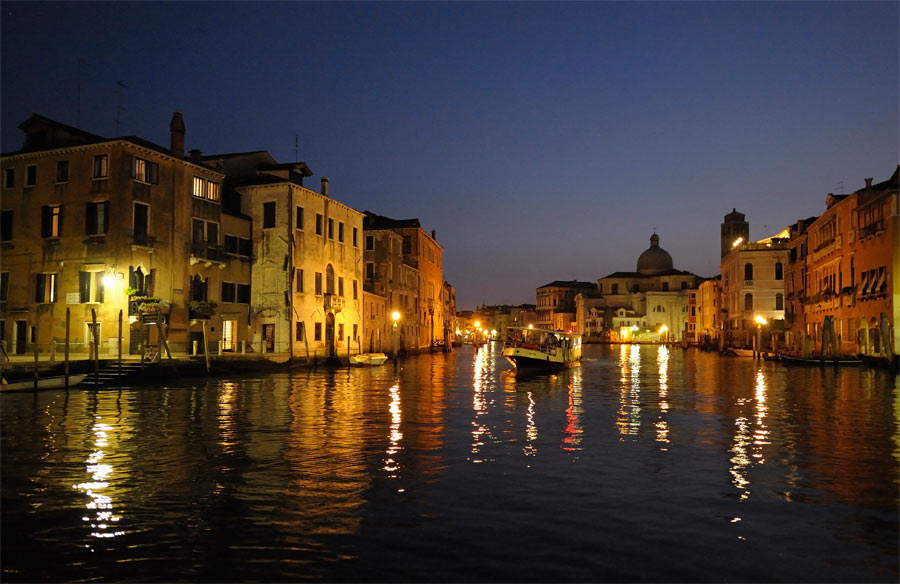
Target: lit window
{"x": 45, "y": 288}
{"x": 205, "y": 189}
{"x": 144, "y": 170}
{"x": 101, "y": 166}
{"x": 51, "y": 215}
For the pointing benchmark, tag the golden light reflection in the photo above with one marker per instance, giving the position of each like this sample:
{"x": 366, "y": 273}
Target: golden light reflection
{"x": 662, "y": 425}
{"x": 101, "y": 504}
{"x": 531, "y": 429}
{"x": 226, "y": 402}
{"x": 628, "y": 418}
{"x": 573, "y": 430}
{"x": 394, "y": 435}
{"x": 482, "y": 373}
{"x": 747, "y": 446}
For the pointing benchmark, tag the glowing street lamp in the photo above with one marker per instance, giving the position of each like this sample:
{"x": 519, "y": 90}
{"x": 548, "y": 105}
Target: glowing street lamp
{"x": 664, "y": 330}
{"x": 395, "y": 316}
{"x": 760, "y": 321}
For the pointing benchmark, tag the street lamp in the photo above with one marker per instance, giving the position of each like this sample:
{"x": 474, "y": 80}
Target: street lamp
{"x": 395, "y": 316}
{"x": 664, "y": 330}
{"x": 760, "y": 321}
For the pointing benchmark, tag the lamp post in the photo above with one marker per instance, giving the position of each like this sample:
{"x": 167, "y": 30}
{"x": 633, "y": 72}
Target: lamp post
{"x": 664, "y": 332}
{"x": 760, "y": 321}
{"x": 395, "y": 316}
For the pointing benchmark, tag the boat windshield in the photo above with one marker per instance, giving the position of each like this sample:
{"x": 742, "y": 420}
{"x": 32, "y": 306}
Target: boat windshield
{"x": 539, "y": 339}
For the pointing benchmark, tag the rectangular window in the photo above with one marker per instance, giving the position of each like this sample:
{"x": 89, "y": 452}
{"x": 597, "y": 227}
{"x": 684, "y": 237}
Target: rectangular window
{"x": 45, "y": 288}
{"x": 205, "y": 232}
{"x": 97, "y": 218}
{"x": 300, "y": 336}
{"x": 298, "y": 275}
{"x": 318, "y": 224}
{"x": 269, "y": 215}
{"x": 229, "y": 291}
{"x": 90, "y": 286}
{"x": 243, "y": 293}
{"x": 9, "y": 178}
{"x": 341, "y": 231}
{"x": 355, "y": 288}
{"x": 407, "y": 245}
{"x": 245, "y": 247}
{"x": 355, "y": 331}
{"x": 341, "y": 331}
{"x": 4, "y": 286}
{"x": 318, "y": 283}
{"x": 141, "y": 213}
{"x": 299, "y": 220}
{"x": 231, "y": 244}
{"x": 318, "y": 331}
{"x": 144, "y": 170}
{"x": 205, "y": 189}
{"x": 62, "y": 171}
{"x": 30, "y": 175}
{"x": 340, "y": 286}
{"x": 370, "y": 270}
{"x": 330, "y": 228}
{"x": 6, "y": 225}
{"x": 101, "y": 166}
{"x": 354, "y": 237}
{"x": 51, "y": 216}
{"x": 370, "y": 242}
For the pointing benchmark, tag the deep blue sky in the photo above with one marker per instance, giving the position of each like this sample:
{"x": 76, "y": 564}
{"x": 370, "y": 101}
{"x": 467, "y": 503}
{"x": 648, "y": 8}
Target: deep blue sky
{"x": 541, "y": 141}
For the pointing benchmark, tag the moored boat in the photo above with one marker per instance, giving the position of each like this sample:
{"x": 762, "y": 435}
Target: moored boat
{"x": 368, "y": 359}
{"x": 52, "y": 382}
{"x": 819, "y": 360}
{"x": 534, "y": 349}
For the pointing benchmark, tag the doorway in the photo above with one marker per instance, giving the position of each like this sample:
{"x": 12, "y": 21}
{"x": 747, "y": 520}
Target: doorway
{"x": 268, "y": 333}
{"x": 21, "y": 336}
{"x": 329, "y": 334}
{"x": 228, "y": 328}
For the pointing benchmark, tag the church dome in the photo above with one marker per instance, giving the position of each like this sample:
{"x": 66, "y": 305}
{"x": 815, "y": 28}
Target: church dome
{"x": 655, "y": 259}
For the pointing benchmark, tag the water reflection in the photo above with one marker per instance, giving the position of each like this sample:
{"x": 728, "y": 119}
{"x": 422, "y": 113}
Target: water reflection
{"x": 102, "y": 516}
{"x": 483, "y": 378}
{"x": 573, "y": 430}
{"x": 662, "y": 425}
{"x": 391, "y": 466}
{"x": 747, "y": 444}
{"x": 628, "y": 418}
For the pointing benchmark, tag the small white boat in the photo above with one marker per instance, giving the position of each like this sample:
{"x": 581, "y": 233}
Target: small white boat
{"x": 53, "y": 382}
{"x": 368, "y": 359}
{"x": 533, "y": 349}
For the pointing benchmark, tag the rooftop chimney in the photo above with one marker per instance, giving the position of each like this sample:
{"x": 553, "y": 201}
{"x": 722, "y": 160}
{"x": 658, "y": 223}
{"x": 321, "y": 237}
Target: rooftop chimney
{"x": 176, "y": 135}
{"x": 324, "y": 186}
{"x": 868, "y": 184}
{"x": 434, "y": 234}
{"x": 196, "y": 155}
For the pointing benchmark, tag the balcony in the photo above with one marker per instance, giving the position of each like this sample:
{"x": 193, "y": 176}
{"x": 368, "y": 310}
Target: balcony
{"x": 142, "y": 240}
{"x": 871, "y": 229}
{"x": 208, "y": 254}
{"x": 334, "y": 302}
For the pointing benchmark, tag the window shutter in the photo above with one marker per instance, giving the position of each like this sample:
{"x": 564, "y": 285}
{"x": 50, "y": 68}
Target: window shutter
{"x": 98, "y": 280}
{"x": 84, "y": 286}
{"x": 131, "y": 282}
{"x": 55, "y": 288}
{"x": 90, "y": 219}
{"x": 150, "y": 282}
{"x": 46, "y": 221}
{"x": 39, "y": 288}
{"x": 105, "y": 216}
{"x": 153, "y": 171}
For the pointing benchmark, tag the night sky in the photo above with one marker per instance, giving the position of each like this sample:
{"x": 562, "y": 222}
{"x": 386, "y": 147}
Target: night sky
{"x": 541, "y": 141}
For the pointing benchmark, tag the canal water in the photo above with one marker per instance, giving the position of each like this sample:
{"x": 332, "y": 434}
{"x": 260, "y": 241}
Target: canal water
{"x": 643, "y": 464}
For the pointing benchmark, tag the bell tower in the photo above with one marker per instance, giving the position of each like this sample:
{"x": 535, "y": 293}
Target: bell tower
{"x": 733, "y": 228}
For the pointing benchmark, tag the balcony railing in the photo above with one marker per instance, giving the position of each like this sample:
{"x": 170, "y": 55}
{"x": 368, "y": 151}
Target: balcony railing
{"x": 334, "y": 302}
{"x": 872, "y": 228}
{"x": 205, "y": 251}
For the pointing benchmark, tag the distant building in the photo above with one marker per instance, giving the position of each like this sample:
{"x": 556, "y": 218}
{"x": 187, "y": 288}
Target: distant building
{"x": 752, "y": 282}
{"x": 559, "y": 297}
{"x": 795, "y": 286}
{"x": 421, "y": 251}
{"x": 709, "y": 311}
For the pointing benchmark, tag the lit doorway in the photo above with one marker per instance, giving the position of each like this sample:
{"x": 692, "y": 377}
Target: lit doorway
{"x": 228, "y": 329}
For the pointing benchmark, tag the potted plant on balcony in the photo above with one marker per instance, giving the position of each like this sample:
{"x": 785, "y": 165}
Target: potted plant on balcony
{"x": 201, "y": 309}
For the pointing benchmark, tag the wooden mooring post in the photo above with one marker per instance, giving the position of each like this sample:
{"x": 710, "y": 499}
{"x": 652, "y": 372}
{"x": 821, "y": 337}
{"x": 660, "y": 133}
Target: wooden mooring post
{"x": 95, "y": 344}
{"x": 66, "y": 357}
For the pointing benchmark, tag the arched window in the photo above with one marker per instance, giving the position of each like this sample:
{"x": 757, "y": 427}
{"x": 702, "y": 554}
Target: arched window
{"x": 748, "y": 271}
{"x": 329, "y": 280}
{"x": 779, "y": 271}
{"x": 779, "y": 301}
{"x": 748, "y": 300}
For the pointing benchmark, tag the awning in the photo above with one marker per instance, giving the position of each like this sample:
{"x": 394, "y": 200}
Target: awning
{"x": 864, "y": 284}
{"x": 876, "y": 288}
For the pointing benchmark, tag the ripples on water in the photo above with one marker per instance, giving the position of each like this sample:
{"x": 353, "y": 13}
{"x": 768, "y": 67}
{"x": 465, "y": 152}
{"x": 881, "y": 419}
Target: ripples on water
{"x": 645, "y": 463}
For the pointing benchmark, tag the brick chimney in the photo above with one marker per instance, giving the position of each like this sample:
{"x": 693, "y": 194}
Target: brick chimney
{"x": 324, "y": 190}
{"x": 868, "y": 184}
{"x": 176, "y": 135}
{"x": 434, "y": 234}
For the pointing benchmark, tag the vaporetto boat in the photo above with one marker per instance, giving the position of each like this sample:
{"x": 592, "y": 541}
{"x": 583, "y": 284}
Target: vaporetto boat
{"x": 534, "y": 349}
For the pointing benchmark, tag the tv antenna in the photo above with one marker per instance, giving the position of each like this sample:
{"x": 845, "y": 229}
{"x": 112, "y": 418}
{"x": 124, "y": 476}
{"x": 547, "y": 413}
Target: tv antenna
{"x": 296, "y": 148}
{"x": 119, "y": 109}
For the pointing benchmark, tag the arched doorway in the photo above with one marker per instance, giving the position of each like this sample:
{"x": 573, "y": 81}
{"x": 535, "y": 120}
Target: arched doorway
{"x": 329, "y": 334}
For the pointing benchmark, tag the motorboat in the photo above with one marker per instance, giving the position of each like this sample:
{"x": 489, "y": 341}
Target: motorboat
{"x": 53, "y": 382}
{"x": 533, "y": 349}
{"x": 368, "y": 359}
